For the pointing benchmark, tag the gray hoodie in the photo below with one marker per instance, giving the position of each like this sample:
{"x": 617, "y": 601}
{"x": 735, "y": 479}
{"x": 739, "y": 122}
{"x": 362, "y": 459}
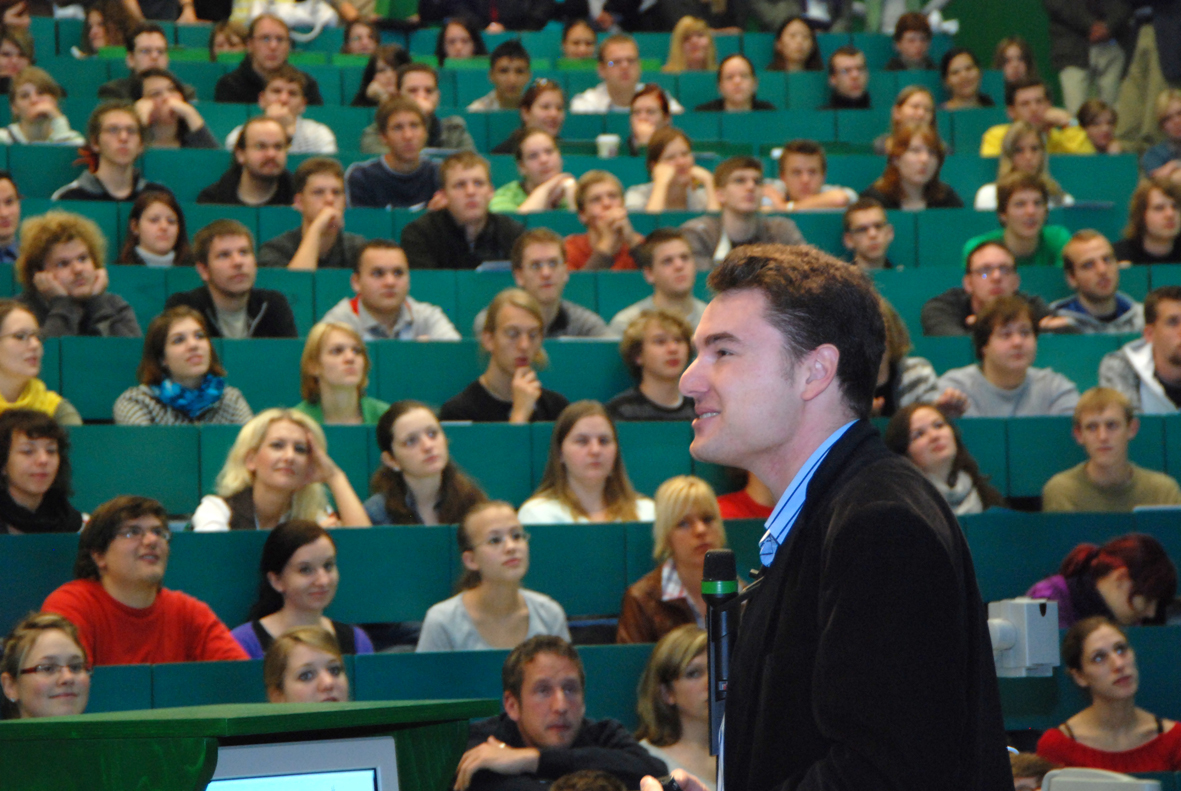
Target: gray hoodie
{"x": 1132, "y": 372}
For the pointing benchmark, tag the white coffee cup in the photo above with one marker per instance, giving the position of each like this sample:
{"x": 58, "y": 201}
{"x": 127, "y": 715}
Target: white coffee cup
{"x": 608, "y": 145}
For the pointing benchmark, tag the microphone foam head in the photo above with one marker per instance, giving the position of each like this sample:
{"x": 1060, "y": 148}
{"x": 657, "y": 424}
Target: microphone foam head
{"x": 720, "y": 565}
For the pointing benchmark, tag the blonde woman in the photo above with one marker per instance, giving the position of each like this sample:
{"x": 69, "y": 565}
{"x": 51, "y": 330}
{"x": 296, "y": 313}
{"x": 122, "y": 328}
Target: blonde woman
{"x": 673, "y": 704}
{"x": 21, "y": 353}
{"x": 33, "y": 98}
{"x": 44, "y": 670}
{"x": 688, "y": 524}
{"x": 333, "y": 375}
{"x": 1023, "y": 150}
{"x": 584, "y": 479}
{"x": 691, "y": 47}
{"x": 305, "y": 666}
{"x": 277, "y": 471}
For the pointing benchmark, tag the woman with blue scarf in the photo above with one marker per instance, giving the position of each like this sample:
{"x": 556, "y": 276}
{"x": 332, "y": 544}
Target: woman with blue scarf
{"x": 181, "y": 380}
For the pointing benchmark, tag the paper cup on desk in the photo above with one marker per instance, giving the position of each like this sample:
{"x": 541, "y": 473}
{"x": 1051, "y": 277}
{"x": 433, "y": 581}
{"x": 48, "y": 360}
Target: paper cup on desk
{"x": 608, "y": 145}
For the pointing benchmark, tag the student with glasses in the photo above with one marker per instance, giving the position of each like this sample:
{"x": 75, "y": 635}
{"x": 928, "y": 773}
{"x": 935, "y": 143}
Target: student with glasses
{"x": 115, "y": 140}
{"x": 123, "y": 613}
{"x": 21, "y": 352}
{"x": 44, "y": 672}
{"x": 492, "y": 610}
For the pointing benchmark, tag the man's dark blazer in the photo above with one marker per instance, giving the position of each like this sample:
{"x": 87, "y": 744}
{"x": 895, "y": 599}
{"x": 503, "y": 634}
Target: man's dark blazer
{"x": 863, "y": 660}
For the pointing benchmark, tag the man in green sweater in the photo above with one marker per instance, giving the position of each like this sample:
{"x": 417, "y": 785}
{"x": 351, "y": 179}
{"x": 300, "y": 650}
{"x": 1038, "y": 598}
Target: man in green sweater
{"x": 1022, "y": 209}
{"x": 1104, "y": 424}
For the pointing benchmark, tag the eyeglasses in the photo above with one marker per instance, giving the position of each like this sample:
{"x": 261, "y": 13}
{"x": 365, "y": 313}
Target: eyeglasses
{"x": 623, "y": 62}
{"x": 498, "y": 540}
{"x": 53, "y": 669}
{"x": 24, "y": 336}
{"x": 538, "y": 266}
{"x": 115, "y": 131}
{"x": 846, "y": 71}
{"x": 514, "y": 334}
{"x": 1001, "y": 270}
{"x": 136, "y": 532}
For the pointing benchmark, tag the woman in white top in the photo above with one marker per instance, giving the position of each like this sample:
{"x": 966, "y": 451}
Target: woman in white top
{"x": 584, "y": 479}
{"x": 492, "y": 610}
{"x": 36, "y": 117}
{"x": 678, "y": 184}
{"x": 277, "y": 471}
{"x": 1023, "y": 150}
{"x": 673, "y": 704}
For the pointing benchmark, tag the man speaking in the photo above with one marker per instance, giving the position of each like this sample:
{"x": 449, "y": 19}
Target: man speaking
{"x": 863, "y": 660}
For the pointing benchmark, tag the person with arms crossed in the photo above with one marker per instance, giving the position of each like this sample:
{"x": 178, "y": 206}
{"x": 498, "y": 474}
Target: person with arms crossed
{"x": 609, "y": 237}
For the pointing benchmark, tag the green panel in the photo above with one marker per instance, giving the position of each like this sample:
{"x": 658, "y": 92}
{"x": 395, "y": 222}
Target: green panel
{"x": 155, "y": 461}
{"x": 583, "y": 126}
{"x": 965, "y": 172}
{"x": 266, "y": 370}
{"x": 775, "y": 127}
{"x": 120, "y": 688}
{"x": 96, "y": 370}
{"x": 187, "y": 171}
{"x": 197, "y": 216}
{"x": 1106, "y": 218}
{"x": 638, "y": 544}
{"x": 8, "y": 277}
{"x": 297, "y": 287}
{"x": 40, "y": 170}
{"x": 207, "y": 683}
{"x": 391, "y": 573}
{"x": 878, "y": 49}
{"x": 908, "y": 290}
{"x": 1164, "y": 275}
{"x": 985, "y": 439}
{"x": 347, "y": 123}
{"x": 1040, "y": 447}
{"x": 945, "y": 352}
{"x": 823, "y": 229}
{"x": 470, "y": 84}
{"x": 1103, "y": 178}
{"x": 503, "y": 475}
{"x": 276, "y": 220}
{"x": 708, "y": 126}
{"x": 942, "y": 234}
{"x": 807, "y": 90}
{"x": 143, "y": 287}
{"x": 862, "y": 126}
{"x": 540, "y": 434}
{"x": 426, "y": 755}
{"x": 437, "y": 675}
{"x": 613, "y": 674}
{"x": 452, "y": 365}
{"x": 331, "y": 286}
{"x": 1134, "y": 282}
{"x": 655, "y": 452}
{"x": 51, "y": 365}
{"x": 582, "y": 368}
{"x": 1077, "y": 357}
{"x": 202, "y": 75}
{"x": 33, "y": 567}
{"x": 473, "y": 293}
{"x": 79, "y": 78}
{"x": 597, "y": 588}
{"x": 617, "y": 290}
{"x": 560, "y": 222}
{"x": 156, "y": 764}
{"x": 221, "y": 120}
{"x": 968, "y": 126}
{"x": 583, "y": 289}
{"x": 220, "y": 569}
{"x": 349, "y": 447}
{"x": 1172, "y": 424}
{"x": 695, "y": 87}
{"x": 215, "y": 442}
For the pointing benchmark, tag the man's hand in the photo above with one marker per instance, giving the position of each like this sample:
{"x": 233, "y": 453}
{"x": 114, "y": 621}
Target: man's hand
{"x": 496, "y": 756}
{"x": 17, "y": 15}
{"x": 1056, "y": 117}
{"x": 686, "y": 781}
{"x": 1052, "y": 323}
{"x": 48, "y": 287}
{"x": 952, "y": 402}
{"x": 438, "y": 201}
{"x": 526, "y": 391}
{"x": 102, "y": 279}
{"x": 329, "y": 220}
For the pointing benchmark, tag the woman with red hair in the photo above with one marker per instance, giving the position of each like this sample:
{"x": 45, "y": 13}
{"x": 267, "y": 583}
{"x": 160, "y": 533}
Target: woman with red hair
{"x": 911, "y": 179}
{"x": 1129, "y": 579}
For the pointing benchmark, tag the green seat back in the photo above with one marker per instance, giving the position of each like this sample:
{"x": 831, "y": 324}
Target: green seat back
{"x": 41, "y": 169}
{"x": 33, "y": 567}
{"x": 452, "y": 366}
{"x": 120, "y": 688}
{"x": 298, "y": 287}
{"x": 90, "y": 386}
{"x": 585, "y": 369}
{"x": 205, "y": 683}
{"x": 266, "y": 370}
{"x": 598, "y": 586}
{"x": 187, "y": 171}
{"x": 505, "y": 473}
{"x": 143, "y": 287}
{"x": 160, "y": 462}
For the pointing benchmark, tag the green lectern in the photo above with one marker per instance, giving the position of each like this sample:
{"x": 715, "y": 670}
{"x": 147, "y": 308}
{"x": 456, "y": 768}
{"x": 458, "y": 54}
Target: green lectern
{"x": 372, "y": 746}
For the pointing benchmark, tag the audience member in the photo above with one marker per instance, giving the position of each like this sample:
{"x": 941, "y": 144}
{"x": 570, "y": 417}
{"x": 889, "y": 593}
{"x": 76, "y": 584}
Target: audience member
{"x": 1023, "y": 151}
{"x": 753, "y": 501}
{"x": 655, "y": 348}
{"x": 305, "y": 665}
{"x": 1104, "y": 424}
{"x": 379, "y": 80}
{"x": 420, "y": 82}
{"x": 181, "y": 381}
{"x": 848, "y": 79}
{"x": 585, "y": 479}
{"x": 542, "y": 186}
{"x": 21, "y": 353}
{"x": 1147, "y": 371}
{"x": 801, "y": 186}
{"x": 1004, "y": 382}
{"x": 418, "y": 483}
{"x": 258, "y": 176}
{"x": 361, "y": 37}
{"x": 298, "y": 578}
{"x": 1154, "y": 224}
{"x": 1029, "y": 770}
{"x": 678, "y": 184}
{"x": 509, "y": 389}
{"x": 543, "y": 732}
{"x": 1093, "y": 273}
{"x": 619, "y": 70}
{"x": 609, "y": 237}
{"x": 147, "y": 48}
{"x": 383, "y": 307}
{"x": 578, "y": 39}
{"x": 1088, "y": 47}
{"x": 924, "y": 434}
{"x": 107, "y": 25}
{"x": 539, "y": 267}
{"x": 402, "y": 177}
{"x": 912, "y": 43}
{"x": 1098, "y": 120}
{"x": 691, "y": 47}
{"x": 687, "y": 525}
{"x": 491, "y": 610}
{"x": 1112, "y": 733}
{"x": 1014, "y": 58}
{"x": 902, "y": 379}
{"x": 543, "y": 106}
{"x": 868, "y": 235}
{"x": 1163, "y": 161}
{"x": 914, "y": 104}
{"x": 673, "y": 704}
{"x": 44, "y": 670}
{"x": 738, "y": 187}
{"x": 17, "y": 52}
{"x": 36, "y": 474}
{"x": 276, "y": 471}
{"x": 1028, "y": 99}
{"x": 10, "y": 218}
{"x": 737, "y": 85}
{"x": 463, "y": 234}
{"x": 459, "y": 37}
{"x": 116, "y": 140}
{"x": 666, "y": 259}
{"x": 795, "y": 48}
{"x": 320, "y": 241}
{"x": 228, "y": 35}
{"x": 911, "y": 178}
{"x": 1022, "y": 208}
{"x": 649, "y": 112}
{"x": 268, "y": 44}
{"x": 123, "y": 614}
{"x": 588, "y": 780}
{"x": 284, "y": 99}
{"x": 333, "y": 374}
{"x": 33, "y": 98}
{"x": 64, "y": 282}
{"x": 169, "y": 121}
{"x": 1130, "y": 580}
{"x": 962, "y": 77}
{"x": 509, "y": 73}
{"x": 231, "y": 306}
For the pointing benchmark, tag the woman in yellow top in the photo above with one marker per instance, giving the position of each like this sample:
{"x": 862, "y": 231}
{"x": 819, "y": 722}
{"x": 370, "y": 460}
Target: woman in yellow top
{"x": 20, "y": 365}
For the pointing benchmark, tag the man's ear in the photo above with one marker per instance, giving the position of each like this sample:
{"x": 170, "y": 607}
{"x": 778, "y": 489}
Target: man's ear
{"x": 1133, "y": 428}
{"x": 512, "y": 706}
{"x": 202, "y": 271}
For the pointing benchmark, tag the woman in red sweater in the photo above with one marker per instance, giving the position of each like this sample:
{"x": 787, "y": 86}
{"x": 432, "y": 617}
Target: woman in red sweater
{"x": 1111, "y": 733}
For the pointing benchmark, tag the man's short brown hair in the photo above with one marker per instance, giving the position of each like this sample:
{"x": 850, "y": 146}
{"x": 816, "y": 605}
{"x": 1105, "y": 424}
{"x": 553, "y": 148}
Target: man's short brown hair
{"x": 633, "y": 337}
{"x": 982, "y": 246}
{"x": 1079, "y": 237}
{"x": 412, "y": 67}
{"x": 734, "y": 164}
{"x": 645, "y": 252}
{"x": 803, "y": 148}
{"x": 314, "y": 166}
{"x": 104, "y": 523}
{"x": 1157, "y": 296}
{"x": 512, "y": 674}
{"x": 912, "y": 22}
{"x": 535, "y": 236}
{"x": 813, "y": 299}
{"x": 617, "y": 38}
{"x": 377, "y": 244}
{"x": 861, "y": 204}
{"x": 1098, "y": 399}
{"x": 393, "y": 105}
{"x": 1015, "y": 182}
{"x": 288, "y": 73}
{"x": 254, "y": 24}
{"x": 590, "y": 179}
{"x": 463, "y": 160}
{"x": 998, "y": 313}
{"x": 205, "y": 237}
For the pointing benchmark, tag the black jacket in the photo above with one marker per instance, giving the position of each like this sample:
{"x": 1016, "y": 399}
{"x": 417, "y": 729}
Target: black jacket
{"x": 435, "y": 241}
{"x": 1070, "y": 28}
{"x": 267, "y": 313}
{"x": 244, "y": 84}
{"x": 601, "y": 744}
{"x": 225, "y": 189}
{"x": 863, "y": 660}
{"x": 513, "y": 14}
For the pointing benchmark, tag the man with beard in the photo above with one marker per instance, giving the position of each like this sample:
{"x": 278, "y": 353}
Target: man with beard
{"x": 259, "y": 175}
{"x": 1148, "y": 370}
{"x": 1093, "y": 272}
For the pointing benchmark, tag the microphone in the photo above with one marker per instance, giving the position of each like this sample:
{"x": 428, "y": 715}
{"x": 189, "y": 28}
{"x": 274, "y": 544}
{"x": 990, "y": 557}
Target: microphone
{"x": 719, "y": 587}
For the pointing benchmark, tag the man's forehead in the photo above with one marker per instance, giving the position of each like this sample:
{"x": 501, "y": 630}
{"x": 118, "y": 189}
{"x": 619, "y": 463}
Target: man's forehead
{"x": 372, "y": 259}
{"x": 671, "y": 249}
{"x": 549, "y": 666}
{"x": 734, "y": 316}
{"x": 229, "y": 241}
{"x": 542, "y": 251}
{"x": 619, "y": 49}
{"x": 455, "y": 175}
